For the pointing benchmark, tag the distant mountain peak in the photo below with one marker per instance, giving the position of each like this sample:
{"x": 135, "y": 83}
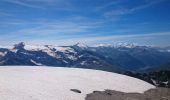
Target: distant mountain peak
{"x": 124, "y": 44}
{"x": 19, "y": 45}
{"x": 81, "y": 45}
{"x": 117, "y": 45}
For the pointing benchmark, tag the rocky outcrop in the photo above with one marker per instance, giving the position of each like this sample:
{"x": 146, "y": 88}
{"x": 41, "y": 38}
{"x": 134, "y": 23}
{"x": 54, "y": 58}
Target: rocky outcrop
{"x": 152, "y": 94}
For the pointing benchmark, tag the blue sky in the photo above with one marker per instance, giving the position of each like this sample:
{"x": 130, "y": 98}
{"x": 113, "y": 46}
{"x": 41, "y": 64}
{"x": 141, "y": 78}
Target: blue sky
{"x": 65, "y": 22}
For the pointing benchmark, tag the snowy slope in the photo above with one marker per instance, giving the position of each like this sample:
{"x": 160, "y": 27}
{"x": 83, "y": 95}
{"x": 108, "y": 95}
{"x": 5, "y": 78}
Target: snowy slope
{"x": 54, "y": 83}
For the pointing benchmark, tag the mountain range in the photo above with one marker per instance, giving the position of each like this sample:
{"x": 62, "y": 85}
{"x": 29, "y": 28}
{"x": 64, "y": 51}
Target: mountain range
{"x": 113, "y": 58}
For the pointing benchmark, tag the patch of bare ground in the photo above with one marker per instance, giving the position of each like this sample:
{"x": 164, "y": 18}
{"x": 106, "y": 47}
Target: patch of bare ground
{"x": 152, "y": 94}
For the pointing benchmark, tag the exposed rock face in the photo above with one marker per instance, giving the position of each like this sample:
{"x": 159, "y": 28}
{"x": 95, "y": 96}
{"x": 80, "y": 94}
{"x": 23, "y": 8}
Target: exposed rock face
{"x": 152, "y": 94}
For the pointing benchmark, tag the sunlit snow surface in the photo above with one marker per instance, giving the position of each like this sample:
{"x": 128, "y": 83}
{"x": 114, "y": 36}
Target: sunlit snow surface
{"x": 54, "y": 83}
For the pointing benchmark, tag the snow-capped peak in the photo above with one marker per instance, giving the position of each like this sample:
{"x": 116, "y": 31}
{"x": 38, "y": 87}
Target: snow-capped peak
{"x": 124, "y": 44}
{"x": 82, "y": 45}
{"x": 103, "y": 45}
{"x": 117, "y": 45}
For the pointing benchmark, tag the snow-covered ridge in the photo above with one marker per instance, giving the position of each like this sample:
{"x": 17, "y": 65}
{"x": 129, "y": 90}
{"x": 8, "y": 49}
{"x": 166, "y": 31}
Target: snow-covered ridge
{"x": 117, "y": 45}
{"x": 3, "y": 53}
{"x": 64, "y": 48}
{"x": 36, "y": 47}
{"x": 54, "y": 83}
{"x": 81, "y": 55}
{"x": 81, "y": 45}
{"x": 49, "y": 49}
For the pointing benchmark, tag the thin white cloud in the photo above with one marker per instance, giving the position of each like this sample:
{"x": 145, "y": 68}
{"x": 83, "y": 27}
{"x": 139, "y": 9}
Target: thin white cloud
{"x": 54, "y": 27}
{"x": 42, "y": 4}
{"x": 123, "y": 11}
{"x": 22, "y": 3}
{"x": 112, "y": 37}
{"x": 3, "y": 13}
{"x": 141, "y": 39}
{"x": 160, "y": 39}
{"x": 112, "y": 3}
